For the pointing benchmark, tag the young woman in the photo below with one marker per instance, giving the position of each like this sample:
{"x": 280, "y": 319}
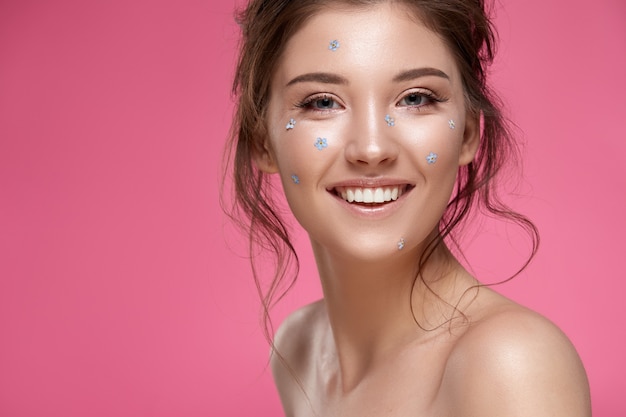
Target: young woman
{"x": 377, "y": 119}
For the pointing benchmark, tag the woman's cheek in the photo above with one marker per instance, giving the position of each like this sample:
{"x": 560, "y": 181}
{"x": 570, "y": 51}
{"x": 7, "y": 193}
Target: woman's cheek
{"x": 302, "y": 154}
{"x": 434, "y": 141}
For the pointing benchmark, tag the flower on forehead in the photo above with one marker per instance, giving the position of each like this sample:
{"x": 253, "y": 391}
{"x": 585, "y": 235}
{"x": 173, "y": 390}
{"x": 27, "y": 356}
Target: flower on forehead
{"x": 321, "y": 143}
{"x": 334, "y": 45}
{"x": 390, "y": 121}
{"x": 291, "y": 124}
{"x": 295, "y": 179}
{"x": 451, "y": 124}
{"x": 431, "y": 158}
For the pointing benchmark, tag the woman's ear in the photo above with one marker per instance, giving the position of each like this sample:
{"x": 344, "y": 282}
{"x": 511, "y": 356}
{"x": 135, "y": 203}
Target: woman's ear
{"x": 264, "y": 159}
{"x": 471, "y": 139}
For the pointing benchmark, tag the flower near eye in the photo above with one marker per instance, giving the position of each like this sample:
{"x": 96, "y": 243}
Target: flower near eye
{"x": 291, "y": 124}
{"x": 321, "y": 143}
{"x": 390, "y": 120}
{"x": 431, "y": 158}
{"x": 334, "y": 45}
{"x": 451, "y": 124}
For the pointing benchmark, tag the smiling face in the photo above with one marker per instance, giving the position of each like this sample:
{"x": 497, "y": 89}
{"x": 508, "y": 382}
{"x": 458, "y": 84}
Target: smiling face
{"x": 367, "y": 128}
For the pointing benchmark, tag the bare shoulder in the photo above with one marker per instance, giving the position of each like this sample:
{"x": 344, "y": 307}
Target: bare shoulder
{"x": 293, "y": 337}
{"x": 515, "y": 362}
{"x": 294, "y": 344}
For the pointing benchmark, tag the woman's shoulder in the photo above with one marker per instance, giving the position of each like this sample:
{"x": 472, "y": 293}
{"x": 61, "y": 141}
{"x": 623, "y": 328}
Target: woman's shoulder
{"x": 513, "y": 361}
{"x": 295, "y": 341}
{"x": 294, "y": 335}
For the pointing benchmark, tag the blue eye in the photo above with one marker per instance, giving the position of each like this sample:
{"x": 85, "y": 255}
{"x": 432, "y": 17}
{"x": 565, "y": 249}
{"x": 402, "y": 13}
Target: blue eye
{"x": 415, "y": 100}
{"x": 324, "y": 103}
{"x": 319, "y": 102}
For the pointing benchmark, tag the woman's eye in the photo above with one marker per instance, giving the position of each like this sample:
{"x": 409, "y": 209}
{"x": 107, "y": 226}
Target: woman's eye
{"x": 415, "y": 100}
{"x": 324, "y": 103}
{"x": 319, "y": 103}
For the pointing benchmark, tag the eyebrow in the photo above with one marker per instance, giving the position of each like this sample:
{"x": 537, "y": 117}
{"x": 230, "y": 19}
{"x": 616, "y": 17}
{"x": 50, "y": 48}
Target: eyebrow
{"x": 320, "y": 77}
{"x": 329, "y": 78}
{"x": 414, "y": 73}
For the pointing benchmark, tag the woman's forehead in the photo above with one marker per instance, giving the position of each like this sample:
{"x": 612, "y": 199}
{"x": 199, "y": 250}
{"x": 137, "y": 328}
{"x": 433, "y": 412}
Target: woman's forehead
{"x": 384, "y": 38}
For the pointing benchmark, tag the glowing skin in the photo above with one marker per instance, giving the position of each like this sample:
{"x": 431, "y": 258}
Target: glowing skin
{"x": 359, "y": 351}
{"x": 341, "y": 96}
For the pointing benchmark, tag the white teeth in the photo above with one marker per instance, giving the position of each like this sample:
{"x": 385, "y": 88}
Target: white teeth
{"x": 358, "y": 195}
{"x": 379, "y": 196}
{"x": 370, "y": 195}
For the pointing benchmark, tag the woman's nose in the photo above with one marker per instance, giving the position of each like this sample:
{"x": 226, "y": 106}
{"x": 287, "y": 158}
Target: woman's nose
{"x": 370, "y": 141}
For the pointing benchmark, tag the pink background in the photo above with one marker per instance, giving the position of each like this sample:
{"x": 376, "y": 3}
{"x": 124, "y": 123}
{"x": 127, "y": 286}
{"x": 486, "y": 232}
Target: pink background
{"x": 123, "y": 290}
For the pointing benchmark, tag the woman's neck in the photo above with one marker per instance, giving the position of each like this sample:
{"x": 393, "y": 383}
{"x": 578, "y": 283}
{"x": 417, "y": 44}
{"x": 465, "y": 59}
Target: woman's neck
{"x": 373, "y": 307}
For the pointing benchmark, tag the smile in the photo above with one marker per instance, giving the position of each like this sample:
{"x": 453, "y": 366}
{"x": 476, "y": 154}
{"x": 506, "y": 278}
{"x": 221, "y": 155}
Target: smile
{"x": 370, "y": 195}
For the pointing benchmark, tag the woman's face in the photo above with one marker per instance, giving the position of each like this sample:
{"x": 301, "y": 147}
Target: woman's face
{"x": 367, "y": 128}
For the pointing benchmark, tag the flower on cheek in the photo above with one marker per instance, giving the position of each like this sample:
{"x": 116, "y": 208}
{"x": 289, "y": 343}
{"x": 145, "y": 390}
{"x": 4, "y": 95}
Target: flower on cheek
{"x": 431, "y": 158}
{"x": 295, "y": 179}
{"x": 334, "y": 45}
{"x": 291, "y": 124}
{"x": 321, "y": 143}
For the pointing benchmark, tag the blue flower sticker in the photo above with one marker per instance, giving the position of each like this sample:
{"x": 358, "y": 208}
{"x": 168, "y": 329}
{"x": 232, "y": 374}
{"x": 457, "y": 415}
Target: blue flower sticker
{"x": 334, "y": 45}
{"x": 451, "y": 124}
{"x": 321, "y": 143}
{"x": 431, "y": 158}
{"x": 401, "y": 244}
{"x": 295, "y": 179}
{"x": 390, "y": 121}
{"x": 291, "y": 124}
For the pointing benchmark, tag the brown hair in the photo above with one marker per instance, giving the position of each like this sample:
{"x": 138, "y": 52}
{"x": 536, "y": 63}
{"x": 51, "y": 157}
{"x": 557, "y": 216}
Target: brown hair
{"x": 266, "y": 26}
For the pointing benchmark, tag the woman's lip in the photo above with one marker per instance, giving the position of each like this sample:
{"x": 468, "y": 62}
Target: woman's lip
{"x": 371, "y": 210}
{"x": 371, "y": 195}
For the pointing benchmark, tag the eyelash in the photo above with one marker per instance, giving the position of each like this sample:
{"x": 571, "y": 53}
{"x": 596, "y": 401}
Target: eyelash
{"x": 428, "y": 95}
{"x": 308, "y": 102}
